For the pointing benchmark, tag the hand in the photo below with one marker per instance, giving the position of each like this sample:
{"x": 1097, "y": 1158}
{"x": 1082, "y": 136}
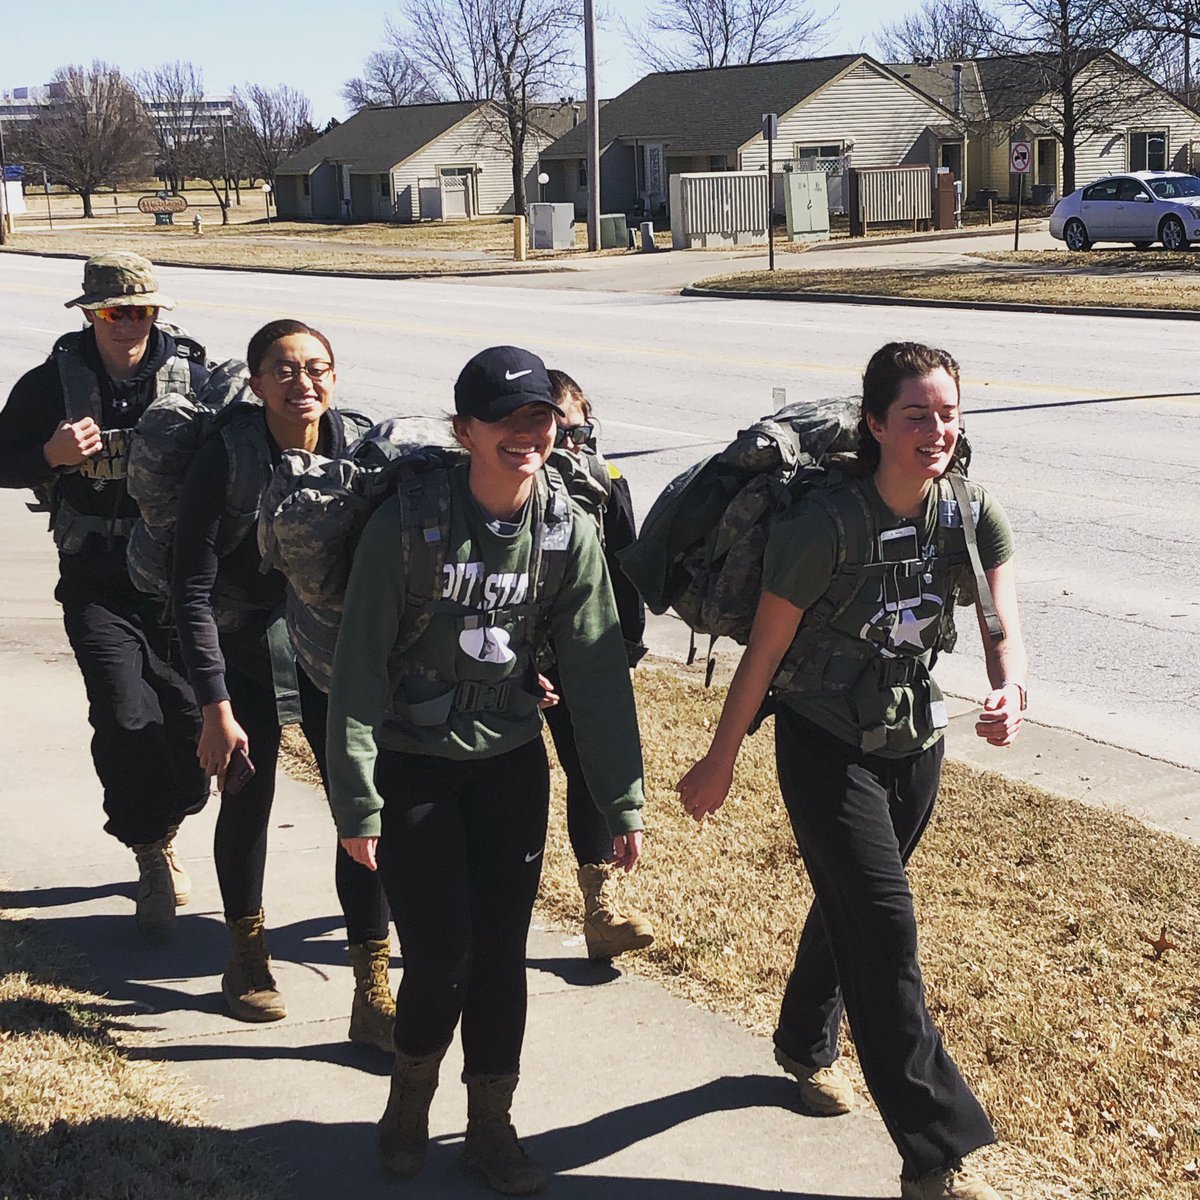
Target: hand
{"x": 219, "y": 737}
{"x": 549, "y": 696}
{"x": 362, "y": 850}
{"x": 1001, "y": 717}
{"x": 627, "y": 849}
{"x": 704, "y": 788}
{"x": 71, "y": 443}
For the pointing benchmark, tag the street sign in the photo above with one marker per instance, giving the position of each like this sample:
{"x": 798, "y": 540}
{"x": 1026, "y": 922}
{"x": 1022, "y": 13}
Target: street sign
{"x": 162, "y": 204}
{"x": 770, "y": 126}
{"x": 1020, "y": 158}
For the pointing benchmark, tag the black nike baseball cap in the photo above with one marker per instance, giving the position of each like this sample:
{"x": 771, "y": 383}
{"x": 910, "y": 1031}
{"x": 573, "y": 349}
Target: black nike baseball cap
{"x": 498, "y": 381}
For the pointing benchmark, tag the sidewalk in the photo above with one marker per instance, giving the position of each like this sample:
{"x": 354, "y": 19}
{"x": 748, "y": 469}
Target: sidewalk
{"x": 626, "y": 1090}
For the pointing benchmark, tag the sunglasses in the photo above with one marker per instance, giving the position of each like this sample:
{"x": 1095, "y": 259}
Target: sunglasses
{"x": 577, "y": 435}
{"x": 289, "y": 372}
{"x": 125, "y": 312}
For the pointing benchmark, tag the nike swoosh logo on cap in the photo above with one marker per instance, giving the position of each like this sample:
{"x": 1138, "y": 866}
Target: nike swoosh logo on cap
{"x": 511, "y": 375}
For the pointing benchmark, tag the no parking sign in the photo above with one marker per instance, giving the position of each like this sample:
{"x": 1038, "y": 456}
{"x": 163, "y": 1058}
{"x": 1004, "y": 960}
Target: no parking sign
{"x": 1020, "y": 157}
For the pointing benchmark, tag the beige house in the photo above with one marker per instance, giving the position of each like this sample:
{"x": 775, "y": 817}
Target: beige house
{"x": 413, "y": 162}
{"x": 1127, "y": 122}
{"x": 840, "y": 108}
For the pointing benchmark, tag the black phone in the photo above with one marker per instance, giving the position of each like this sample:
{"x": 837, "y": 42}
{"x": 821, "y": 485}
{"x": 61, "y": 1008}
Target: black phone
{"x": 902, "y": 589}
{"x": 238, "y": 773}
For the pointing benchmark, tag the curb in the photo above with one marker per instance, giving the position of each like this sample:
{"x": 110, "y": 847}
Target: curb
{"x": 1036, "y": 225}
{"x": 1063, "y": 310}
{"x": 315, "y": 274}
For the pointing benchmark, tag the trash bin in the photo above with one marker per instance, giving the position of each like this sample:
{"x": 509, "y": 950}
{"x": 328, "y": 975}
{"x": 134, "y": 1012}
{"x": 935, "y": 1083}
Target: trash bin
{"x": 983, "y": 195}
{"x": 1043, "y": 193}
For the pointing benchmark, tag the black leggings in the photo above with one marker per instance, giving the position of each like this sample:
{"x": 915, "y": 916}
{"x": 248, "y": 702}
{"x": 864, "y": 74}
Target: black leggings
{"x": 240, "y": 847}
{"x": 857, "y": 818}
{"x": 591, "y": 841}
{"x": 460, "y": 854}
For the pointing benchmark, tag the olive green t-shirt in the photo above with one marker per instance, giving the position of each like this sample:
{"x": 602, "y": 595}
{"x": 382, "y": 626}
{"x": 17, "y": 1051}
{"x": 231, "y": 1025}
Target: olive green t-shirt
{"x": 798, "y": 567}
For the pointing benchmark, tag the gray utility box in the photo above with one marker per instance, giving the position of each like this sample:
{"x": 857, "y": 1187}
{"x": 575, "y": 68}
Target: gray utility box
{"x": 614, "y": 231}
{"x": 552, "y": 226}
{"x": 806, "y": 205}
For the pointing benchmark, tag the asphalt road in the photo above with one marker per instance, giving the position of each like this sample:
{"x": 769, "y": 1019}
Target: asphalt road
{"x": 1087, "y": 429}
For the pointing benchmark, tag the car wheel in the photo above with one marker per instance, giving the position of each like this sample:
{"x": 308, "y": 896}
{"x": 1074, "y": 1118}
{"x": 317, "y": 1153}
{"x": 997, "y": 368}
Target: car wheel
{"x": 1142, "y": 245}
{"x": 1172, "y": 234}
{"x": 1076, "y": 236}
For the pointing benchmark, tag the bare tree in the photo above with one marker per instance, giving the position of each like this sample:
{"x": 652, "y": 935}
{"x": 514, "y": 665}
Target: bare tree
{"x": 680, "y": 34}
{"x": 1165, "y": 31}
{"x": 209, "y": 160}
{"x": 514, "y": 53}
{"x": 174, "y": 98}
{"x": 269, "y": 125}
{"x": 389, "y": 77}
{"x": 940, "y": 30}
{"x": 92, "y": 131}
{"x": 1058, "y": 60}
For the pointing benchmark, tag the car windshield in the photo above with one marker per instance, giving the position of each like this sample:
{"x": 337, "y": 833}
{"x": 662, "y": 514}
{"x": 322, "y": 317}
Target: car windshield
{"x": 1170, "y": 189}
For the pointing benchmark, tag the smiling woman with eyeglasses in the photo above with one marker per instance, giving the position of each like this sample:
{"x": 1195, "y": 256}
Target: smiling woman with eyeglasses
{"x": 228, "y": 612}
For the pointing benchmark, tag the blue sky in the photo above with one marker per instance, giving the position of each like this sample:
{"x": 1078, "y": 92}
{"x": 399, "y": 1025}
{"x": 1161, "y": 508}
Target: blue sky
{"x": 310, "y": 45}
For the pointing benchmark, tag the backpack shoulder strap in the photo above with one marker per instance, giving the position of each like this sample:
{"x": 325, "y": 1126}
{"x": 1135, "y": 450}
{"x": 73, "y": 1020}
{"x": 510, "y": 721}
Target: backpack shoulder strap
{"x": 425, "y": 531}
{"x": 80, "y": 386}
{"x": 987, "y": 602}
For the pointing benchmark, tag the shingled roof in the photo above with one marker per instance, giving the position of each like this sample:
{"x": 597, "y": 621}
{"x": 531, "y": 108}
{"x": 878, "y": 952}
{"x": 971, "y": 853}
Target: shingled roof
{"x": 709, "y": 111}
{"x": 376, "y": 139}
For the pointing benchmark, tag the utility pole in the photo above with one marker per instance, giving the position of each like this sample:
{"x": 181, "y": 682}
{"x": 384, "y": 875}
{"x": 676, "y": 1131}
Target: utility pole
{"x": 224, "y": 164}
{"x": 593, "y": 123}
{"x": 3, "y": 190}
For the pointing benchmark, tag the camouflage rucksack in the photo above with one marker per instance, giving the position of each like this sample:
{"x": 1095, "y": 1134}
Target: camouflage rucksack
{"x": 700, "y": 549}
{"x": 315, "y": 510}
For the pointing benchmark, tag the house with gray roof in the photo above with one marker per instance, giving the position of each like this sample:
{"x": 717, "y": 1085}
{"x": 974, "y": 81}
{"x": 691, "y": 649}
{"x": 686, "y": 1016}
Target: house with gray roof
{"x": 675, "y": 122}
{"x": 1126, "y": 121}
{"x": 413, "y": 162}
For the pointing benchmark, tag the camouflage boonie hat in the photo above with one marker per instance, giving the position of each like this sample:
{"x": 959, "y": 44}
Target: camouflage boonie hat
{"x": 119, "y": 277}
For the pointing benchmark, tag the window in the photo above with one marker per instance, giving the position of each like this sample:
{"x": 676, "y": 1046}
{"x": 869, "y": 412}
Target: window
{"x": 1106, "y": 189}
{"x": 304, "y": 183}
{"x": 718, "y": 162}
{"x": 583, "y": 173}
{"x": 383, "y": 186}
{"x": 832, "y": 150}
{"x": 1148, "y": 151}
{"x": 1130, "y": 189}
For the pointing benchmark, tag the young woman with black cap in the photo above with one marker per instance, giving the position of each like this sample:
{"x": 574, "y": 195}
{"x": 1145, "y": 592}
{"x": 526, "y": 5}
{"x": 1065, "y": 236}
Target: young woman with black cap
{"x": 438, "y": 773}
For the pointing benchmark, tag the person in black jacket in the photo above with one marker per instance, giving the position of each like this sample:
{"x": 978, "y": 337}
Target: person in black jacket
{"x": 608, "y": 929}
{"x": 65, "y": 433}
{"x": 229, "y": 617}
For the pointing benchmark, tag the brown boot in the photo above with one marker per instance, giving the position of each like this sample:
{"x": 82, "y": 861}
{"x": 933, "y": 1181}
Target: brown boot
{"x": 606, "y": 929}
{"x": 404, "y": 1126}
{"x": 951, "y": 1184}
{"x": 826, "y": 1091}
{"x": 373, "y": 1012}
{"x": 248, "y": 985}
{"x": 491, "y": 1148}
{"x": 181, "y": 883}
{"x": 155, "y": 890}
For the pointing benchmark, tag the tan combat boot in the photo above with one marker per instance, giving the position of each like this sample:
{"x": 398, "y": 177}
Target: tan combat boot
{"x": 952, "y": 1184}
{"x": 403, "y": 1130}
{"x": 606, "y": 929}
{"x": 373, "y": 1012}
{"x": 826, "y": 1091}
{"x": 181, "y": 883}
{"x": 248, "y": 985}
{"x": 155, "y": 890}
{"x": 491, "y": 1148}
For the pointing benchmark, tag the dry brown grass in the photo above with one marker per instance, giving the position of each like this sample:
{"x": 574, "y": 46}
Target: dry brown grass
{"x": 968, "y": 285}
{"x": 80, "y": 1119}
{"x": 1034, "y": 911}
{"x": 1111, "y": 260}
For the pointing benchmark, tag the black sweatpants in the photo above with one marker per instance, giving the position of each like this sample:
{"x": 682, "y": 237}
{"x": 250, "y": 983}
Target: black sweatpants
{"x": 460, "y": 854}
{"x": 144, "y": 718}
{"x": 591, "y": 841}
{"x": 240, "y": 847}
{"x": 857, "y": 819}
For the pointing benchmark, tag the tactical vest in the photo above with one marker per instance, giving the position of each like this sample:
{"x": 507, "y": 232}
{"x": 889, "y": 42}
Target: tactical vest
{"x": 108, "y": 468}
{"x": 421, "y": 697}
{"x": 845, "y": 645}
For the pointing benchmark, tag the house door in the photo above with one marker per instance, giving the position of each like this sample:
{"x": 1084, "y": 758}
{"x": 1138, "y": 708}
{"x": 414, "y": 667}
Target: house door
{"x": 1046, "y": 163}
{"x": 950, "y": 155}
{"x": 456, "y": 194}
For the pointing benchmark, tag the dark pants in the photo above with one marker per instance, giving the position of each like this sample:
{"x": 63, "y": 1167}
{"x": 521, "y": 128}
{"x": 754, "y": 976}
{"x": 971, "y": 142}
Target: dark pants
{"x": 144, "y": 718}
{"x": 240, "y": 847}
{"x": 461, "y": 854}
{"x": 591, "y": 841}
{"x": 857, "y": 819}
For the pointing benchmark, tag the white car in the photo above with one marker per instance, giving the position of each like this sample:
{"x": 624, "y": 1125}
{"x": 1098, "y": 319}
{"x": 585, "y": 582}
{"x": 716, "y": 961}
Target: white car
{"x": 1141, "y": 207}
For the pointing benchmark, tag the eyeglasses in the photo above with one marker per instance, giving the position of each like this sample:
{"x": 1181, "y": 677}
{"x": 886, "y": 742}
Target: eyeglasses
{"x": 577, "y": 435}
{"x": 288, "y": 372}
{"x": 125, "y": 312}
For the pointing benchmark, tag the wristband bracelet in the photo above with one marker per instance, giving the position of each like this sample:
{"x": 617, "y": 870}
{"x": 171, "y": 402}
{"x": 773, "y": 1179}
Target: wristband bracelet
{"x": 1020, "y": 688}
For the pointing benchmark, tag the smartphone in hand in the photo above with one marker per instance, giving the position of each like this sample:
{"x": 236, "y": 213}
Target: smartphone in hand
{"x": 238, "y": 773}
